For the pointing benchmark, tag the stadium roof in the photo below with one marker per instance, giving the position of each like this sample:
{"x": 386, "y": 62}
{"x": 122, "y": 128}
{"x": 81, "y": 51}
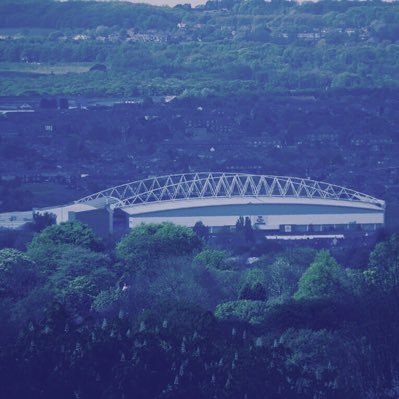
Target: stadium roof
{"x": 207, "y": 185}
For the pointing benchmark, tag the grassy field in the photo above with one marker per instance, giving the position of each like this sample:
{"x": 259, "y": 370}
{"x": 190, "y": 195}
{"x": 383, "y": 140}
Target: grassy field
{"x": 44, "y": 69}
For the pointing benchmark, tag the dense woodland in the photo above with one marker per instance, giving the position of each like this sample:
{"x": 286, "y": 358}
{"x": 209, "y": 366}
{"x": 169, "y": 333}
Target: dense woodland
{"x": 220, "y": 48}
{"x": 162, "y": 314}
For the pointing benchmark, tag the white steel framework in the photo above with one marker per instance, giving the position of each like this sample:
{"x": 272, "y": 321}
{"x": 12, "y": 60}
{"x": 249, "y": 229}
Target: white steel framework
{"x": 224, "y": 185}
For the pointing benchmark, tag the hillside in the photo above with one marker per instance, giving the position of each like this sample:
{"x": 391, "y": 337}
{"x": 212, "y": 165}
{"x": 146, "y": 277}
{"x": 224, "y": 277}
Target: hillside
{"x": 220, "y": 48}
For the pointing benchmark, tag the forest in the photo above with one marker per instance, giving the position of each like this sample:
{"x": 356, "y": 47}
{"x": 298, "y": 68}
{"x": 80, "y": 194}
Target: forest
{"x": 220, "y": 48}
{"x": 163, "y": 314}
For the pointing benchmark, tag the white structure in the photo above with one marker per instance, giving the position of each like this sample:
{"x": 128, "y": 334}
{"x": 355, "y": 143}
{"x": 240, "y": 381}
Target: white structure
{"x": 287, "y": 204}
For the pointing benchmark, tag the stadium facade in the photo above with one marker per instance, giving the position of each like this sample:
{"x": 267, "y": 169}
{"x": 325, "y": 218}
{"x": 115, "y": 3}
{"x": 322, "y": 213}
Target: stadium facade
{"x": 275, "y": 204}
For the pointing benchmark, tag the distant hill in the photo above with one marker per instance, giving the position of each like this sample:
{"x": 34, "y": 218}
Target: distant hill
{"x": 226, "y": 46}
{"x": 170, "y": 3}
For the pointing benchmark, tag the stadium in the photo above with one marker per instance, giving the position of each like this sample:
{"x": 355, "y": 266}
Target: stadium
{"x": 275, "y": 204}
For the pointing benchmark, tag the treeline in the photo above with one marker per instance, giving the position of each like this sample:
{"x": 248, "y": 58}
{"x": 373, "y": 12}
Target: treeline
{"x": 82, "y": 14}
{"x": 198, "y": 70}
{"x": 215, "y": 57}
{"x": 276, "y": 21}
{"x": 162, "y": 315}
{"x": 90, "y": 14}
{"x": 223, "y": 47}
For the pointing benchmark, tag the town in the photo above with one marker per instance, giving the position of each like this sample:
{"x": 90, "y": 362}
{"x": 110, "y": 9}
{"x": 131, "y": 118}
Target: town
{"x": 121, "y": 140}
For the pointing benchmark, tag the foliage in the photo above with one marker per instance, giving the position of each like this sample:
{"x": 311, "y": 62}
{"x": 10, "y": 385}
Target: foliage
{"x": 79, "y": 276}
{"x": 252, "y": 312}
{"x": 18, "y": 274}
{"x": 219, "y": 285}
{"x": 114, "y": 357}
{"x": 107, "y": 301}
{"x": 214, "y": 259}
{"x": 302, "y": 314}
{"x": 253, "y": 286}
{"x": 244, "y": 226}
{"x": 323, "y": 353}
{"x": 248, "y": 47}
{"x": 84, "y": 327}
{"x": 324, "y": 278}
{"x": 283, "y": 277}
{"x": 384, "y": 265}
{"x": 70, "y": 233}
{"x": 180, "y": 284}
{"x": 96, "y": 329}
{"x": 40, "y": 221}
{"x": 147, "y": 243}
{"x": 201, "y": 230}
{"x": 256, "y": 292}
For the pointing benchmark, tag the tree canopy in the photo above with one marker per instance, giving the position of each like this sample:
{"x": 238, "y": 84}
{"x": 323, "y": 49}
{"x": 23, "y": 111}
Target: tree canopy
{"x": 182, "y": 324}
{"x": 18, "y": 274}
{"x": 324, "y": 278}
{"x": 73, "y": 233}
{"x": 146, "y": 244}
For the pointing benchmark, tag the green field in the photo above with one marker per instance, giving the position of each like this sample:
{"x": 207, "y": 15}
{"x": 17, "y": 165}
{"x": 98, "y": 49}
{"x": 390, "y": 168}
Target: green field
{"x": 45, "y": 69}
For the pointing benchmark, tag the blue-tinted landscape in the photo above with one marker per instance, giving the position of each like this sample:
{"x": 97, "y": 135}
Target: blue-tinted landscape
{"x": 199, "y": 200}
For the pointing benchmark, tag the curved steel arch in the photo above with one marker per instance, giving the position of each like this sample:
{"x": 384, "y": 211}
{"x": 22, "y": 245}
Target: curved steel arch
{"x": 223, "y": 185}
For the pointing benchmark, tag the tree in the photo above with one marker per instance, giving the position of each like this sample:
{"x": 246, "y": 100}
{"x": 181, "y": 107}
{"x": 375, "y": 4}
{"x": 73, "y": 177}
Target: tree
{"x": 79, "y": 275}
{"x": 73, "y": 233}
{"x": 252, "y": 312}
{"x": 41, "y": 221}
{"x": 383, "y": 272}
{"x": 48, "y": 247}
{"x": 214, "y": 259}
{"x": 146, "y": 244}
{"x": 178, "y": 284}
{"x": 18, "y": 274}
{"x": 282, "y": 277}
{"x": 322, "y": 355}
{"x": 253, "y": 286}
{"x": 240, "y": 224}
{"x": 385, "y": 255}
{"x": 257, "y": 292}
{"x": 220, "y": 285}
{"x": 380, "y": 299}
{"x": 201, "y": 230}
{"x": 248, "y": 230}
{"x": 324, "y": 278}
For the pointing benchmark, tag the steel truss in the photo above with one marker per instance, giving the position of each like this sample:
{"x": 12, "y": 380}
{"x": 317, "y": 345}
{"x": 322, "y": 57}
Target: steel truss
{"x": 224, "y": 185}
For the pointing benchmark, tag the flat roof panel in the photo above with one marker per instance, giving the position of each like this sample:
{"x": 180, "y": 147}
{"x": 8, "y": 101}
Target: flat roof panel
{"x": 256, "y": 209}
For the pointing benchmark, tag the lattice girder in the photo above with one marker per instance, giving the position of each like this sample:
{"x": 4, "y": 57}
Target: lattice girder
{"x": 224, "y": 185}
